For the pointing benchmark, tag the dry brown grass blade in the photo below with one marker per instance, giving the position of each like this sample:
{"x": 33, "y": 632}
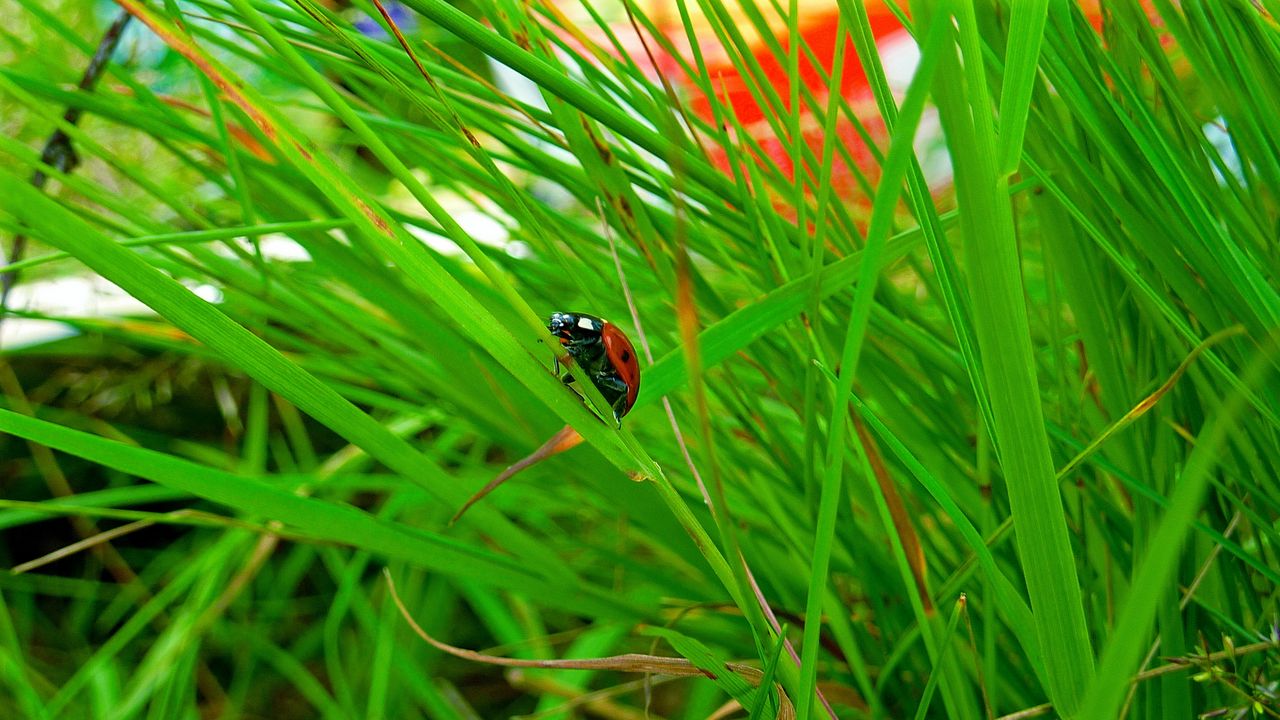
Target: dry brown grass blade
{"x": 898, "y": 511}
{"x": 84, "y": 544}
{"x": 1150, "y": 401}
{"x": 628, "y": 662}
{"x": 237, "y": 132}
{"x": 566, "y": 439}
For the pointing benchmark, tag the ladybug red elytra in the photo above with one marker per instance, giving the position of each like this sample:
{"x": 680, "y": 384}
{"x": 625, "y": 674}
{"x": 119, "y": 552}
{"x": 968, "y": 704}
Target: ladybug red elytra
{"x": 605, "y": 355}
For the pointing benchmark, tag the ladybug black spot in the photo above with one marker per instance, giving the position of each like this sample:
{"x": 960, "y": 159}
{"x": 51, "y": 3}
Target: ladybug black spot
{"x": 625, "y": 356}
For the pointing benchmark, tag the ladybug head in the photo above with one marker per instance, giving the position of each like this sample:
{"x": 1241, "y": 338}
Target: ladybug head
{"x": 561, "y": 324}
{"x": 573, "y": 328}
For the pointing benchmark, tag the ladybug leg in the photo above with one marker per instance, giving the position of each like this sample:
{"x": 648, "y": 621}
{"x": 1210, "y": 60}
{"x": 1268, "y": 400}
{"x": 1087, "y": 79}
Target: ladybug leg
{"x": 557, "y": 368}
{"x": 614, "y": 384}
{"x": 608, "y": 379}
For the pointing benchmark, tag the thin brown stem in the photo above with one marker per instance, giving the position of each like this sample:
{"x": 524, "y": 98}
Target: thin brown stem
{"x": 58, "y": 152}
{"x": 1177, "y": 665}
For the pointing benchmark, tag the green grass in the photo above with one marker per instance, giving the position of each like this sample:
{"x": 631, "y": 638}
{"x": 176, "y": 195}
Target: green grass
{"x": 1050, "y": 388}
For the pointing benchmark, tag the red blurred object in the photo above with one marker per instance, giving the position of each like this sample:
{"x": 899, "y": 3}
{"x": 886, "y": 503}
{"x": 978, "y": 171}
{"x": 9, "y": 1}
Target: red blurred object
{"x": 817, "y": 26}
{"x": 818, "y": 29}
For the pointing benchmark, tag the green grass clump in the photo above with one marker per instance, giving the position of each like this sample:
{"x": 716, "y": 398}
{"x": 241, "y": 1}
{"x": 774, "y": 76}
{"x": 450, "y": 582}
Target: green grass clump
{"x": 1004, "y": 448}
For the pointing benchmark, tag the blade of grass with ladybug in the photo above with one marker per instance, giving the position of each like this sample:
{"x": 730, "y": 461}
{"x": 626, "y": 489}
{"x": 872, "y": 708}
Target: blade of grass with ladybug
{"x": 602, "y": 354}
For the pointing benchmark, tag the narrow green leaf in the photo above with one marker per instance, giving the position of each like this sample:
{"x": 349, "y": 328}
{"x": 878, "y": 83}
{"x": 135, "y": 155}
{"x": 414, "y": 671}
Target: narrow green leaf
{"x": 1026, "y": 32}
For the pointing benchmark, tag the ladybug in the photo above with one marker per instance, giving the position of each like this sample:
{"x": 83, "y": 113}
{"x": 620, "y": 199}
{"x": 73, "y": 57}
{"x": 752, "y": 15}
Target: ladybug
{"x": 604, "y": 354}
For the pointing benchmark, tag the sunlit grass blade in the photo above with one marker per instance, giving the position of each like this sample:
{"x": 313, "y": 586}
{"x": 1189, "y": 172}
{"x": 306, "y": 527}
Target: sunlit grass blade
{"x": 1004, "y": 341}
{"x": 1021, "y": 62}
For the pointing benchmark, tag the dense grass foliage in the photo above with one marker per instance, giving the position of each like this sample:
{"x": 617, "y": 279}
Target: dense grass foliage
{"x": 999, "y": 440}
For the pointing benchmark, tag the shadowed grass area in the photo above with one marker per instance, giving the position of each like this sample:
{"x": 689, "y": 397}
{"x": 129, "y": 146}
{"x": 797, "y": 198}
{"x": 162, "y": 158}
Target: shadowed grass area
{"x": 959, "y": 384}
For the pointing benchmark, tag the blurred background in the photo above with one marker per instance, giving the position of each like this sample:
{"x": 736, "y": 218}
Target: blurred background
{"x": 958, "y": 391}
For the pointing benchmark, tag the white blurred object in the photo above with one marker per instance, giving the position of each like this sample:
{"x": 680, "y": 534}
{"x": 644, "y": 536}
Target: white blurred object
{"x": 274, "y": 246}
{"x": 84, "y": 296}
{"x": 93, "y": 296}
{"x": 24, "y": 332}
{"x": 900, "y": 57}
{"x": 1216, "y": 132}
{"x": 70, "y": 296}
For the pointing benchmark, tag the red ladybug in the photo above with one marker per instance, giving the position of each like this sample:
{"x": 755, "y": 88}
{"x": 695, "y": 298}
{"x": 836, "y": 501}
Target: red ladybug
{"x": 604, "y": 354}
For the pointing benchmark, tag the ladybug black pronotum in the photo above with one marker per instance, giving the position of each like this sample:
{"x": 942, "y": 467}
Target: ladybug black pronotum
{"x": 603, "y": 353}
